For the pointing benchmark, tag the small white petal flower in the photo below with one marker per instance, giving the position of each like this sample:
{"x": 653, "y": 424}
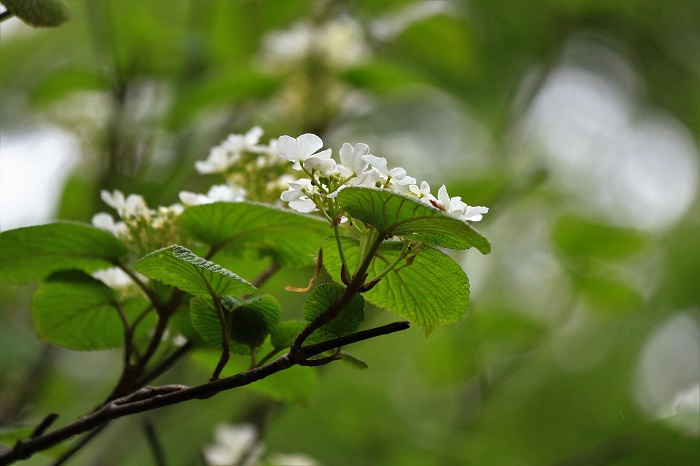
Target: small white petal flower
{"x": 299, "y": 149}
{"x": 232, "y": 442}
{"x": 237, "y": 143}
{"x": 351, "y": 159}
{"x": 457, "y": 208}
{"x": 114, "y": 277}
{"x": 304, "y": 205}
{"x": 222, "y": 192}
{"x": 105, "y": 221}
{"x": 296, "y": 190}
{"x": 218, "y": 161}
{"x": 134, "y": 205}
{"x": 423, "y": 192}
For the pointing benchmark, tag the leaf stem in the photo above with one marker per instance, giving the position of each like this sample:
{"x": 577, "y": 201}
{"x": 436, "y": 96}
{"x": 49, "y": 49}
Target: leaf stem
{"x": 339, "y": 243}
{"x": 390, "y": 267}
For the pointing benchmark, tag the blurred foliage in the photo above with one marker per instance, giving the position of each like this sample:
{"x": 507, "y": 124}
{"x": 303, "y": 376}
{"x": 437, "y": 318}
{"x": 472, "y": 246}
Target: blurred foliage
{"x": 548, "y": 366}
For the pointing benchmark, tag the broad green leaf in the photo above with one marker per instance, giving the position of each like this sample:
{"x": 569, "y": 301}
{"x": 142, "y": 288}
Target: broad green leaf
{"x": 78, "y": 312}
{"x": 284, "y": 333}
{"x": 253, "y": 319}
{"x": 179, "y": 267}
{"x": 582, "y": 238}
{"x": 432, "y": 291}
{"x": 324, "y": 296}
{"x": 264, "y": 311}
{"x": 205, "y": 320}
{"x": 32, "y": 253}
{"x": 291, "y": 238}
{"x": 39, "y": 13}
{"x": 407, "y": 217}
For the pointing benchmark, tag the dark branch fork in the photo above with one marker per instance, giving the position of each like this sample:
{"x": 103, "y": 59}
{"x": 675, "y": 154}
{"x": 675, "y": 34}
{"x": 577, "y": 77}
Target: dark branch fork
{"x": 150, "y": 398}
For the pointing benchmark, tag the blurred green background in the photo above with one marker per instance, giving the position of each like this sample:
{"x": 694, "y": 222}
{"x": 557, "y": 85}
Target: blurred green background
{"x": 577, "y": 122}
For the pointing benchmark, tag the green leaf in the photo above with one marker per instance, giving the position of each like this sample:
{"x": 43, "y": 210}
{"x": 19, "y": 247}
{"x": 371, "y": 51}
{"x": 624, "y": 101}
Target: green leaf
{"x": 78, "y": 312}
{"x": 32, "y": 253}
{"x": 408, "y": 217}
{"x": 582, "y": 238}
{"x": 326, "y": 295}
{"x": 291, "y": 238}
{"x": 179, "y": 267}
{"x": 253, "y": 319}
{"x": 284, "y": 333}
{"x": 432, "y": 291}
{"x": 39, "y": 13}
{"x": 353, "y": 361}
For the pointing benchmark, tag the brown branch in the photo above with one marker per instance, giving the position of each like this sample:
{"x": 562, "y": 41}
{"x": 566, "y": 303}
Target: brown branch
{"x": 151, "y": 398}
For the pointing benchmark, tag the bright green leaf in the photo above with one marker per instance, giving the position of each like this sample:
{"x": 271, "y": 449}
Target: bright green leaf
{"x": 289, "y": 237}
{"x": 179, "y": 267}
{"x": 407, "y": 217}
{"x": 263, "y": 311}
{"x": 432, "y": 291}
{"x": 32, "y": 253}
{"x": 78, "y": 312}
{"x": 284, "y": 333}
{"x": 326, "y": 295}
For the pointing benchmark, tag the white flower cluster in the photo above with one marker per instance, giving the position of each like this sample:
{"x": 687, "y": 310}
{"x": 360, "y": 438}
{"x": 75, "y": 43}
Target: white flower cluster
{"x": 228, "y": 153}
{"x": 137, "y": 221}
{"x": 357, "y": 167}
{"x": 339, "y": 43}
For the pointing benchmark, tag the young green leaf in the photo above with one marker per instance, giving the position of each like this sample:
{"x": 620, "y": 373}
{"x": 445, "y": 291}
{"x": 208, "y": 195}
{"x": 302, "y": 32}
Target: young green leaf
{"x": 78, "y": 312}
{"x": 353, "y": 361}
{"x": 32, "y": 253}
{"x": 432, "y": 291}
{"x": 39, "y": 13}
{"x": 405, "y": 216}
{"x": 179, "y": 267}
{"x": 284, "y": 333}
{"x": 252, "y": 321}
{"x": 324, "y": 296}
{"x": 291, "y": 238}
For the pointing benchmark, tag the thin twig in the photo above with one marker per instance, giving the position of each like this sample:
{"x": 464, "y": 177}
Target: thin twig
{"x": 158, "y": 397}
{"x": 154, "y": 443}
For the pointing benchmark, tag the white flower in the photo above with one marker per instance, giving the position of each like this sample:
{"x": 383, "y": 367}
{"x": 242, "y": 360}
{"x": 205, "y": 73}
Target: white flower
{"x": 296, "y": 190}
{"x": 423, "y": 192}
{"x": 217, "y": 162}
{"x": 217, "y": 193}
{"x": 456, "y": 208}
{"x": 351, "y": 159}
{"x": 302, "y": 148}
{"x": 104, "y": 221}
{"x": 684, "y": 411}
{"x": 237, "y": 143}
{"x": 297, "y": 196}
{"x": 232, "y": 442}
{"x": 114, "y": 277}
{"x": 397, "y": 175}
{"x": 133, "y": 205}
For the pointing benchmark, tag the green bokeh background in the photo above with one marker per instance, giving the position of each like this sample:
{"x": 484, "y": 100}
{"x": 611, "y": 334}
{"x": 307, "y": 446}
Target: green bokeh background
{"x": 584, "y": 322}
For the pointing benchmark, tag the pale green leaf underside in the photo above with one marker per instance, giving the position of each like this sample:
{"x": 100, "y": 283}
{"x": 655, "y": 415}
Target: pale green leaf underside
{"x": 407, "y": 217}
{"x": 291, "y": 238}
{"x": 432, "y": 291}
{"x": 179, "y": 267}
{"x": 32, "y": 253}
{"x": 77, "y": 312}
{"x": 324, "y": 296}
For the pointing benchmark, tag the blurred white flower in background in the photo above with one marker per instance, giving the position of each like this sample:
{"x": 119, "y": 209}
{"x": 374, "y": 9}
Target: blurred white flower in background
{"x": 684, "y": 411}
{"x": 233, "y": 442}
